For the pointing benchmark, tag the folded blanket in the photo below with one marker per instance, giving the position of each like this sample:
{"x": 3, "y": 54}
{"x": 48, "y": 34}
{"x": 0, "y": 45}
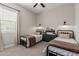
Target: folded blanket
{"x": 29, "y": 39}
{"x": 65, "y": 45}
{"x": 32, "y": 41}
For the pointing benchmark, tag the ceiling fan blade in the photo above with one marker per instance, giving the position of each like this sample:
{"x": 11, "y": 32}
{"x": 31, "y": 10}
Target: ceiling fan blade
{"x": 35, "y": 5}
{"x": 42, "y": 5}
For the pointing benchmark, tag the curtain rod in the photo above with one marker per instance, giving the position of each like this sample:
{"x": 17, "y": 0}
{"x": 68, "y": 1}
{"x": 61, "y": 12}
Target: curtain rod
{"x": 10, "y": 7}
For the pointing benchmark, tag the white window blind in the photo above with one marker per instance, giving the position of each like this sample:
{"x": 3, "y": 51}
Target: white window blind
{"x": 8, "y": 26}
{"x": 8, "y": 18}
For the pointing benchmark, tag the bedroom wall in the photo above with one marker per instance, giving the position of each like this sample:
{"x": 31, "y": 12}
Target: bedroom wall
{"x": 77, "y": 22}
{"x": 27, "y": 19}
{"x": 56, "y": 16}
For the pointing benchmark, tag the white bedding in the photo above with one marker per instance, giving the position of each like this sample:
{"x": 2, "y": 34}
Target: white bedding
{"x": 66, "y": 40}
{"x": 38, "y": 37}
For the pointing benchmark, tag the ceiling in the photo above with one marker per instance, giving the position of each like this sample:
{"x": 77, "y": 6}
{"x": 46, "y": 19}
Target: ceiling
{"x": 39, "y": 8}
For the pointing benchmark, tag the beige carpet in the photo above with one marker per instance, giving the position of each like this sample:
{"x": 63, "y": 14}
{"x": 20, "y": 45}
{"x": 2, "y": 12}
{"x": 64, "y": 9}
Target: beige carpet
{"x": 19, "y": 50}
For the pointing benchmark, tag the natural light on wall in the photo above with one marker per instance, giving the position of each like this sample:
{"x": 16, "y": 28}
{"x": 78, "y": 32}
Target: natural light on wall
{"x": 65, "y": 27}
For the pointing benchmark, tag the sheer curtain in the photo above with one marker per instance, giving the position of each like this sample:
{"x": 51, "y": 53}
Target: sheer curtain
{"x": 8, "y": 27}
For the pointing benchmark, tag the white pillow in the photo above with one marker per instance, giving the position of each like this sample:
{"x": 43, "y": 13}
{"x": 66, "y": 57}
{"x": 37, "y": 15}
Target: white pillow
{"x": 67, "y": 36}
{"x": 49, "y": 33}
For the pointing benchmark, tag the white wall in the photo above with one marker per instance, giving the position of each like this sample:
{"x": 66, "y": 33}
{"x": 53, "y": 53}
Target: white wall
{"x": 27, "y": 19}
{"x": 77, "y": 22}
{"x": 50, "y": 18}
{"x": 56, "y": 16}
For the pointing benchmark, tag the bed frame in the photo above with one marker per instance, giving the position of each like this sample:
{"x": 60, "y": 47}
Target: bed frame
{"x": 51, "y": 53}
{"x": 71, "y": 32}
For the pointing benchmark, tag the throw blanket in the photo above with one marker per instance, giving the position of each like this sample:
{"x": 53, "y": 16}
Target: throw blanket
{"x": 32, "y": 41}
{"x": 64, "y": 45}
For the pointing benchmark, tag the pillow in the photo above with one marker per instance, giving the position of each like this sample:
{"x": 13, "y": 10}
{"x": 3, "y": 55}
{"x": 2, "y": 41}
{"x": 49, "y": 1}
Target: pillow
{"x": 49, "y": 33}
{"x": 67, "y": 36}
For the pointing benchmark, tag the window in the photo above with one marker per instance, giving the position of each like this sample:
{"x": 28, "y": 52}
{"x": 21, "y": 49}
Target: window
{"x": 8, "y": 19}
{"x": 8, "y": 26}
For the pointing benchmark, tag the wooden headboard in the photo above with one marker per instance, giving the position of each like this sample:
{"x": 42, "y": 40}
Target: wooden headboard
{"x": 66, "y": 32}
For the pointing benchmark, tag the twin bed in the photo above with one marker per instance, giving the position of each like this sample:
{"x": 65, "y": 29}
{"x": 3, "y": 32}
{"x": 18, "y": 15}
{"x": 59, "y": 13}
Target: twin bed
{"x": 30, "y": 40}
{"x": 63, "y": 45}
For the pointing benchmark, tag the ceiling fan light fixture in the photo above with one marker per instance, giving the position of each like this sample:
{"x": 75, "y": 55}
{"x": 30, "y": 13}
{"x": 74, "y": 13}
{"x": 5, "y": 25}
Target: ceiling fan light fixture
{"x": 40, "y": 4}
{"x": 35, "y": 5}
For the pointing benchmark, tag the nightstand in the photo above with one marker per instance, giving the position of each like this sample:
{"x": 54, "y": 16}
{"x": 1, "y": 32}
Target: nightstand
{"x": 48, "y": 37}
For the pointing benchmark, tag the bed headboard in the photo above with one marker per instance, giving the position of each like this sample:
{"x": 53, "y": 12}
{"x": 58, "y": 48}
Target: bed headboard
{"x": 66, "y": 32}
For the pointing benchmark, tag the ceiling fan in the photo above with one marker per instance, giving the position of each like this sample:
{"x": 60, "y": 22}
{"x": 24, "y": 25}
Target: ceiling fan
{"x": 40, "y": 4}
